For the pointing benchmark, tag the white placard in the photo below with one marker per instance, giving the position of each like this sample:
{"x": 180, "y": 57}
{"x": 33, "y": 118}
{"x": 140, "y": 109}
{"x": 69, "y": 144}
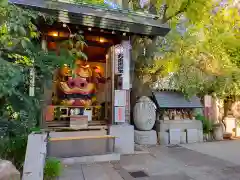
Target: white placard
{"x": 207, "y": 101}
{"x": 120, "y": 98}
{"x": 126, "y": 65}
{"x": 88, "y": 113}
{"x": 119, "y": 114}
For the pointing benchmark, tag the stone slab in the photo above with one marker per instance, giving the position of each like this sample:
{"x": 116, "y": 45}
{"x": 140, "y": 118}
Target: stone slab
{"x": 174, "y": 136}
{"x": 124, "y": 142}
{"x": 163, "y": 126}
{"x": 183, "y": 138}
{"x": 145, "y": 137}
{"x": 104, "y": 171}
{"x": 35, "y": 157}
{"x": 200, "y": 135}
{"x": 81, "y": 147}
{"x": 163, "y": 138}
{"x": 192, "y": 135}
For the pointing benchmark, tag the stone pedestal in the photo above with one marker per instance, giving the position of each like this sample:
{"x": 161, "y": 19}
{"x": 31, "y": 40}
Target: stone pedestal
{"x": 174, "y": 136}
{"x": 200, "y": 135}
{"x": 183, "y": 139}
{"x": 145, "y": 137}
{"x": 218, "y": 133}
{"x": 8, "y": 171}
{"x": 163, "y": 138}
{"x": 192, "y": 136}
{"x": 124, "y": 143}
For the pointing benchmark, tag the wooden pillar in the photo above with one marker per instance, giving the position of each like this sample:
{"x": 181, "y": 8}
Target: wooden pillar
{"x": 112, "y": 83}
{"x": 43, "y": 99}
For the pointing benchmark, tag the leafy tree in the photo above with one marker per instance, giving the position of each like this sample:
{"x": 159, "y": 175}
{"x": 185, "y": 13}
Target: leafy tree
{"x": 20, "y": 51}
{"x": 208, "y": 53}
{"x": 202, "y": 48}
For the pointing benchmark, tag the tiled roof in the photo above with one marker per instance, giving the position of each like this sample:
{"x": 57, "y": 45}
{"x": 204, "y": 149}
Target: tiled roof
{"x": 171, "y": 99}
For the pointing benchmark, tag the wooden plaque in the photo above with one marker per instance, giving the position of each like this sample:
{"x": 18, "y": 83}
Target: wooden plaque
{"x": 78, "y": 121}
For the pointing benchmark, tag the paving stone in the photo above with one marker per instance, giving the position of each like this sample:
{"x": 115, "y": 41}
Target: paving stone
{"x": 162, "y": 164}
{"x": 178, "y": 176}
{"x": 73, "y": 172}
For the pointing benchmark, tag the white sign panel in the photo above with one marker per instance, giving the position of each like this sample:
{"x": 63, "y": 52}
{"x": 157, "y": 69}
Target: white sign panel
{"x": 120, "y": 98}
{"x": 119, "y": 114}
{"x": 126, "y": 65}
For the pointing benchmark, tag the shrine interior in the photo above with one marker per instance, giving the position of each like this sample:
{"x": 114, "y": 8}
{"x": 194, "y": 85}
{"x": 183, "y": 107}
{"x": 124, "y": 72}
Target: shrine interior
{"x": 82, "y": 91}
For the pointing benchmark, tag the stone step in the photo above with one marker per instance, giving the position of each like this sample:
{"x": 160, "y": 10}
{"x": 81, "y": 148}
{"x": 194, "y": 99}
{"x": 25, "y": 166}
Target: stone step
{"x": 91, "y": 159}
{"x": 78, "y": 144}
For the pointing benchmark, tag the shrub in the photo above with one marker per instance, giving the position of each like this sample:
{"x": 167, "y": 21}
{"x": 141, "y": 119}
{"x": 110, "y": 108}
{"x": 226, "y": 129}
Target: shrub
{"x": 13, "y": 138}
{"x": 52, "y": 169}
{"x": 207, "y": 124}
{"x": 14, "y": 149}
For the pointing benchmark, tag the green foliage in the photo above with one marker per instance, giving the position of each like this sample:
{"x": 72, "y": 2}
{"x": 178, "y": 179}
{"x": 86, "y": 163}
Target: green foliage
{"x": 19, "y": 52}
{"x": 207, "y": 124}
{"x": 53, "y": 169}
{"x": 13, "y": 138}
{"x": 205, "y": 55}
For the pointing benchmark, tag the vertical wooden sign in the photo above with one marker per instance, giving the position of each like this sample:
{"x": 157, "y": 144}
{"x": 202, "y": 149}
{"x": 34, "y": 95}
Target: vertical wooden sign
{"x": 126, "y": 65}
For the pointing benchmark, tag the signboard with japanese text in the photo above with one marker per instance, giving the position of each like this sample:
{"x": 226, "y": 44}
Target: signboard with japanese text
{"x": 126, "y": 65}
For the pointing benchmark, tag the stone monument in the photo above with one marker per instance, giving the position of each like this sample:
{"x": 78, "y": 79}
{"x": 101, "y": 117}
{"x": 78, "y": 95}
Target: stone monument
{"x": 144, "y": 116}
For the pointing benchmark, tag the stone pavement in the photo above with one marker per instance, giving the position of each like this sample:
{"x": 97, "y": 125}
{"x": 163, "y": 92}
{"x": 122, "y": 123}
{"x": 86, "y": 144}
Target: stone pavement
{"x": 226, "y": 150}
{"x": 162, "y": 163}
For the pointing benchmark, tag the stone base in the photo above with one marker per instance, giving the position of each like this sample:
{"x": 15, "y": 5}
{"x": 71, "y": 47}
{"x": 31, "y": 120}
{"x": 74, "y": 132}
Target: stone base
{"x": 124, "y": 142}
{"x": 174, "y": 136}
{"x": 163, "y": 138}
{"x": 200, "y": 135}
{"x": 192, "y": 136}
{"x": 145, "y": 137}
{"x": 183, "y": 139}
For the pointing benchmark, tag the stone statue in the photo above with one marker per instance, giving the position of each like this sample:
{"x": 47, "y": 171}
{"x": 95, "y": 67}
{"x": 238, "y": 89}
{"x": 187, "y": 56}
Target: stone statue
{"x": 144, "y": 114}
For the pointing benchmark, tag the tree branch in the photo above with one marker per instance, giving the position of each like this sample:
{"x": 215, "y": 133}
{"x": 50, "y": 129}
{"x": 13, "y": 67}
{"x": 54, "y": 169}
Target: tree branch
{"x": 183, "y": 8}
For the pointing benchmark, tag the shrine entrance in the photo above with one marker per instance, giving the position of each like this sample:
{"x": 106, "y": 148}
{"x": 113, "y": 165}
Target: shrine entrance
{"x": 82, "y": 91}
